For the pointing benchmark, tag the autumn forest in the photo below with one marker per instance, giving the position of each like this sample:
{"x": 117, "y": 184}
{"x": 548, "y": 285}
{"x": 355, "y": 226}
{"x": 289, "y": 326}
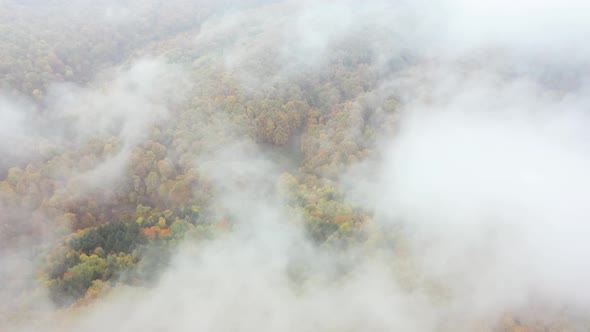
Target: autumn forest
{"x": 292, "y": 166}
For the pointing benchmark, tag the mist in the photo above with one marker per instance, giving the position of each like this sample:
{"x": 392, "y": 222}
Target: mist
{"x": 295, "y": 166}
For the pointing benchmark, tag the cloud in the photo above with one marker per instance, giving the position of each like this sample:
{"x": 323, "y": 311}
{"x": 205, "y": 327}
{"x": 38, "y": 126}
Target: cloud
{"x": 485, "y": 176}
{"x": 17, "y": 131}
{"x": 124, "y": 106}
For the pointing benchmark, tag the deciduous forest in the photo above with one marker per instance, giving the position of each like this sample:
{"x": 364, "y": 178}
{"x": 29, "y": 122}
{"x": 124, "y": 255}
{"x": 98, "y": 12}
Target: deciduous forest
{"x": 288, "y": 165}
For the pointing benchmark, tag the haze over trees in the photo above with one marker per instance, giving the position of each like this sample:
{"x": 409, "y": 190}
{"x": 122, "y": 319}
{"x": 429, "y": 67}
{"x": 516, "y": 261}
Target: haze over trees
{"x": 294, "y": 165}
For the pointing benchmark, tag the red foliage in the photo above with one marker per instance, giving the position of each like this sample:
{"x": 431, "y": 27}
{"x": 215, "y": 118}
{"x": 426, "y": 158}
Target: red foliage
{"x": 150, "y": 232}
{"x": 223, "y": 224}
{"x": 341, "y": 219}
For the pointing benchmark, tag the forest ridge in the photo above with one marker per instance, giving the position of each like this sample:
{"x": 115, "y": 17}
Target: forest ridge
{"x": 293, "y": 165}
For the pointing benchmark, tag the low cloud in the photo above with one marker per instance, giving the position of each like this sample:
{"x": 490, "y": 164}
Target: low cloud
{"x": 482, "y": 176}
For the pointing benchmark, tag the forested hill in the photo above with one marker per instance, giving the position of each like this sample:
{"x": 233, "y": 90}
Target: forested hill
{"x": 275, "y": 159}
{"x": 119, "y": 193}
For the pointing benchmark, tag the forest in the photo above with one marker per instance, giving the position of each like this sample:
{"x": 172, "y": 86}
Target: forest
{"x": 293, "y": 165}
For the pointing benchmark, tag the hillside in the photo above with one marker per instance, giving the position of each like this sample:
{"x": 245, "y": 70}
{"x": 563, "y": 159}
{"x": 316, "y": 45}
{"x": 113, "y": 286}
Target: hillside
{"x": 284, "y": 165}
